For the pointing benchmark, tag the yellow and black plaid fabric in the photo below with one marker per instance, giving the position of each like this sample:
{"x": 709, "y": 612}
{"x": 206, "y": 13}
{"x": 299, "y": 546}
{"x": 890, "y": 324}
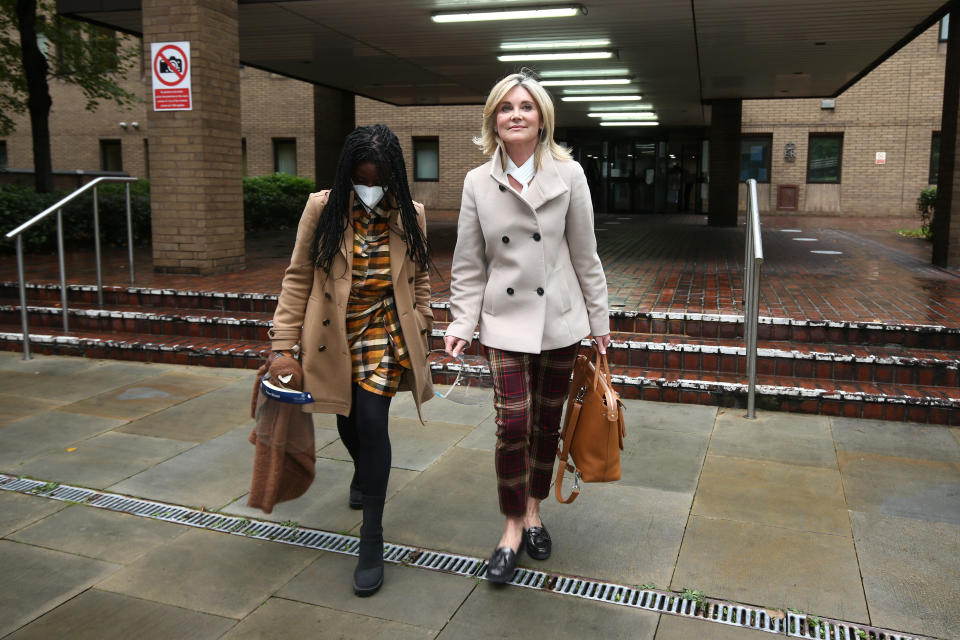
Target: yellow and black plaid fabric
{"x": 377, "y": 349}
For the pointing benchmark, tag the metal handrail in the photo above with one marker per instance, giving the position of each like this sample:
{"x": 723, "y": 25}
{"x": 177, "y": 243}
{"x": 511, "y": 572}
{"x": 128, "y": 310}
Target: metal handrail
{"x": 58, "y": 208}
{"x": 753, "y": 260}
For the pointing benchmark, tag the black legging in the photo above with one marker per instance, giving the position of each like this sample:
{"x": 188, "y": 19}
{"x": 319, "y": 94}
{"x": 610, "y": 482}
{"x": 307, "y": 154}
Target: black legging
{"x": 364, "y": 434}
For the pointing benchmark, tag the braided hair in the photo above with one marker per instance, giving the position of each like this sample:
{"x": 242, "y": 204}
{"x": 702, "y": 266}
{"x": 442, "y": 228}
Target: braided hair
{"x": 379, "y": 145}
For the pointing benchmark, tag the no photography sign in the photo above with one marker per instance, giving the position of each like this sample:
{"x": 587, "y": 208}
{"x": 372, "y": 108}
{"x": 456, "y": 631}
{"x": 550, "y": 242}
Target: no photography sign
{"x": 171, "y": 76}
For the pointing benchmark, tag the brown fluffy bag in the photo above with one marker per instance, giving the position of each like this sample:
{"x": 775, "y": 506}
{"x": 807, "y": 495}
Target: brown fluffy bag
{"x": 593, "y": 429}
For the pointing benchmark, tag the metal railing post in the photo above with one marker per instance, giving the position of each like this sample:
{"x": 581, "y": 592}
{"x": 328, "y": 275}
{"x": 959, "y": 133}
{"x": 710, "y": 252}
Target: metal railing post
{"x": 23, "y": 299}
{"x": 129, "y": 231}
{"x": 63, "y": 270}
{"x": 753, "y": 259}
{"x": 96, "y": 246}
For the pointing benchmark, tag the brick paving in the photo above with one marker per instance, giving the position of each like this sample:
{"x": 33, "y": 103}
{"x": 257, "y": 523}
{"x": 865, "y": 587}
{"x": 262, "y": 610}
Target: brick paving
{"x": 653, "y": 263}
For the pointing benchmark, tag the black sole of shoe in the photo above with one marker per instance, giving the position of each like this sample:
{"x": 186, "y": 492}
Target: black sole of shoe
{"x": 369, "y": 591}
{"x": 536, "y": 556}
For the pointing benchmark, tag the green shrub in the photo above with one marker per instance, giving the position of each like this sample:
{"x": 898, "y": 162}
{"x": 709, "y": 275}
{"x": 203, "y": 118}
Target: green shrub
{"x": 19, "y": 203}
{"x": 275, "y": 201}
{"x": 926, "y": 205}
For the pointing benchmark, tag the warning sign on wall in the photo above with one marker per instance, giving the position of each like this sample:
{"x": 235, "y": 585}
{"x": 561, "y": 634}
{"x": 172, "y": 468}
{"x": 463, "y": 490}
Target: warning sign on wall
{"x": 171, "y": 76}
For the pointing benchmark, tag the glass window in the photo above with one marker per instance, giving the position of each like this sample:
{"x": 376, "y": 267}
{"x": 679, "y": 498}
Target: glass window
{"x": 285, "y": 156}
{"x": 111, "y": 155}
{"x": 243, "y": 154}
{"x": 3, "y": 154}
{"x": 934, "y": 157}
{"x": 755, "y": 157}
{"x": 944, "y": 28}
{"x": 824, "y": 157}
{"x": 426, "y": 159}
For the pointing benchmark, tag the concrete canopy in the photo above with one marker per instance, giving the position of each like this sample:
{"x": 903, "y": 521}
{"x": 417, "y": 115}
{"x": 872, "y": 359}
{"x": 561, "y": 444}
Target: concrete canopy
{"x": 679, "y": 54}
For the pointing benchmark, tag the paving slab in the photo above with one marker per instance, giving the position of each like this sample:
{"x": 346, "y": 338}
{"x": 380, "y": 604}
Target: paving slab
{"x": 678, "y": 628}
{"x": 414, "y": 446}
{"x": 908, "y": 487}
{"x": 662, "y": 459}
{"x": 101, "y": 615}
{"x": 199, "y": 419}
{"x": 629, "y": 535}
{"x": 771, "y": 567}
{"x": 13, "y": 407}
{"x": 783, "y": 495}
{"x": 212, "y": 572}
{"x": 411, "y": 596}
{"x": 103, "y": 460}
{"x": 515, "y": 612}
{"x": 782, "y": 437}
{"x": 911, "y": 573}
{"x": 98, "y": 533}
{"x": 212, "y": 474}
{"x": 142, "y": 398}
{"x": 671, "y": 416}
{"x": 440, "y": 410}
{"x": 956, "y": 433}
{"x": 324, "y": 505}
{"x": 483, "y": 436}
{"x": 46, "y": 365}
{"x": 18, "y": 510}
{"x": 44, "y": 579}
{"x": 898, "y": 439}
{"x": 46, "y": 432}
{"x": 66, "y": 380}
{"x": 299, "y": 620}
{"x": 452, "y": 506}
{"x": 323, "y": 436}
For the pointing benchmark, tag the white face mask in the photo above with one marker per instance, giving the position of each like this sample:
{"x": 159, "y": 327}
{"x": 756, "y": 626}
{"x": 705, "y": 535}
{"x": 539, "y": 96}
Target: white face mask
{"x": 370, "y": 196}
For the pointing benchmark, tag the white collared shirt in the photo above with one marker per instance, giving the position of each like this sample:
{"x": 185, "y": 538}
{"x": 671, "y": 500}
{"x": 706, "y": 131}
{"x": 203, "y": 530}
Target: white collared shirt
{"x": 522, "y": 174}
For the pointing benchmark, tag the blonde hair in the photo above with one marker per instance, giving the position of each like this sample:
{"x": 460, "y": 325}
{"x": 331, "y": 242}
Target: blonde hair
{"x": 488, "y": 140}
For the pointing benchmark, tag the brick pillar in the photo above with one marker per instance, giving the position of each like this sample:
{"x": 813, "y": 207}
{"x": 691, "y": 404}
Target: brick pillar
{"x": 946, "y": 249}
{"x": 724, "y": 162}
{"x": 196, "y": 167}
{"x": 333, "y": 117}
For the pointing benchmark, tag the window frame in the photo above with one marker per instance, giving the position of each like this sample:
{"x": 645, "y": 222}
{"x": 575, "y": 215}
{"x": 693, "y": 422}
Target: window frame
{"x": 420, "y": 139}
{"x": 106, "y": 143}
{"x": 276, "y": 155}
{"x": 933, "y": 175}
{"x": 826, "y": 134}
{"x": 768, "y": 137}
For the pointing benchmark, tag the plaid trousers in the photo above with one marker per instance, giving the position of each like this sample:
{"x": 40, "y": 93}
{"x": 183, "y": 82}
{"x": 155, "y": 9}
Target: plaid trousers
{"x": 529, "y": 392}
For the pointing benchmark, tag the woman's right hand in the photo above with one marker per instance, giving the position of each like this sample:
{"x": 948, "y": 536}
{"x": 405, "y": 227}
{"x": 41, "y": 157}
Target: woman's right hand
{"x": 454, "y": 346}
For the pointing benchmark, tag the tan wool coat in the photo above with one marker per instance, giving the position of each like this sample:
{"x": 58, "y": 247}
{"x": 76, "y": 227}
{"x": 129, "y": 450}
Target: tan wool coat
{"x": 526, "y": 267}
{"x": 312, "y": 311}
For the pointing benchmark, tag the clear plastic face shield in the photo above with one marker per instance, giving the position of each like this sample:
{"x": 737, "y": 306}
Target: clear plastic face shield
{"x": 463, "y": 380}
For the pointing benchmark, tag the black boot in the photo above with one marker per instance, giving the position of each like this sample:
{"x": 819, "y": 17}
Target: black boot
{"x": 356, "y": 496}
{"x": 368, "y": 576}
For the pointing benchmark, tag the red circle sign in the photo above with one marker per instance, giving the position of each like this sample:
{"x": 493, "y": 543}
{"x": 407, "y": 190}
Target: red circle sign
{"x": 166, "y": 62}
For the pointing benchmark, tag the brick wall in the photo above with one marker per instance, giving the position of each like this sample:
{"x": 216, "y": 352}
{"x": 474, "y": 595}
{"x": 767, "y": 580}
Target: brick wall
{"x": 276, "y": 107}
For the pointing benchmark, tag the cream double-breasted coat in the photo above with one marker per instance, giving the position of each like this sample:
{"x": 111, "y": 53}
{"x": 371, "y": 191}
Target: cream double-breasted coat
{"x": 526, "y": 267}
{"x": 312, "y": 310}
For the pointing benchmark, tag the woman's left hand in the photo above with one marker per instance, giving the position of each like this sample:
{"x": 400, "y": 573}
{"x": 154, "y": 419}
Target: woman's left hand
{"x": 602, "y": 343}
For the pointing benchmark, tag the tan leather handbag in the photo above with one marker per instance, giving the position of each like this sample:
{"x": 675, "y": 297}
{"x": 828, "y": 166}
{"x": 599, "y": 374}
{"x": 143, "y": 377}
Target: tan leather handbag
{"x": 593, "y": 430}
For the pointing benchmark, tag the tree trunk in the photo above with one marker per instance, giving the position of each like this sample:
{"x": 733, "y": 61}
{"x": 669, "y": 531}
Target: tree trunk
{"x": 38, "y": 102}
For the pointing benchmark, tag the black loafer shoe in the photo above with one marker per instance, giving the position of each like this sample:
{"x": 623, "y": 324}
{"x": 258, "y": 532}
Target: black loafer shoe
{"x": 501, "y": 566}
{"x": 538, "y": 543}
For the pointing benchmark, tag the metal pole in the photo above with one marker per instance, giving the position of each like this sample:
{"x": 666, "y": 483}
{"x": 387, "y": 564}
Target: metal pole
{"x": 752, "y": 344}
{"x": 129, "y": 232}
{"x": 63, "y": 270}
{"x": 96, "y": 246}
{"x": 23, "y": 300}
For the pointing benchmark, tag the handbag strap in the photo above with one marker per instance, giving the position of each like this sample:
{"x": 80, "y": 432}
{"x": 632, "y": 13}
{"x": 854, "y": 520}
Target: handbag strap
{"x": 564, "y": 454}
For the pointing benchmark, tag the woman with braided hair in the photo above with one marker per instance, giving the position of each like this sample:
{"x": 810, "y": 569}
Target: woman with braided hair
{"x": 355, "y": 307}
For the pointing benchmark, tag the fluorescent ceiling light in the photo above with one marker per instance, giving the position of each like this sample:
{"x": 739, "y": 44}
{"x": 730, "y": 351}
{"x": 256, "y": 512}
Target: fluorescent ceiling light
{"x": 573, "y": 92}
{"x": 624, "y": 107}
{"x": 507, "y": 14}
{"x": 584, "y": 82}
{"x": 553, "y": 44}
{"x": 579, "y": 73}
{"x": 598, "y": 98}
{"x": 644, "y": 123}
{"x": 571, "y": 55}
{"x": 631, "y": 115}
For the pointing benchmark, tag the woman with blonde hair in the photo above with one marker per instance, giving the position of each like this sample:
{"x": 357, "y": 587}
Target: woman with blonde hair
{"x": 525, "y": 269}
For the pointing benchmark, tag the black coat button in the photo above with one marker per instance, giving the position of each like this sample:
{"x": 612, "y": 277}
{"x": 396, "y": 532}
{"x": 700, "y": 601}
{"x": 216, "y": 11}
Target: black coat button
{"x": 322, "y": 348}
{"x": 536, "y": 237}
{"x": 509, "y": 291}
{"x": 502, "y": 188}
{"x": 539, "y": 291}
{"x": 328, "y": 296}
{"x": 326, "y": 322}
{"x": 505, "y": 239}
{"x": 410, "y": 280}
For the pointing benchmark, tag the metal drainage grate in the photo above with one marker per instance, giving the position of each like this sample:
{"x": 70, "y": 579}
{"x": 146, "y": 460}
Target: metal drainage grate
{"x": 791, "y": 624}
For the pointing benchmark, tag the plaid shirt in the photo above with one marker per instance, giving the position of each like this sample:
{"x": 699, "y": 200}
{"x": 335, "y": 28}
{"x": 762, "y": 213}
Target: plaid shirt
{"x": 377, "y": 349}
